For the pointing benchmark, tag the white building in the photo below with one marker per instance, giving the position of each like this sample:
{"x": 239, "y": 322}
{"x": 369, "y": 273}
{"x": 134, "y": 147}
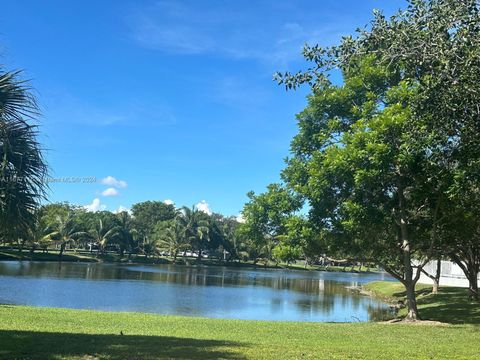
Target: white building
{"x": 451, "y": 274}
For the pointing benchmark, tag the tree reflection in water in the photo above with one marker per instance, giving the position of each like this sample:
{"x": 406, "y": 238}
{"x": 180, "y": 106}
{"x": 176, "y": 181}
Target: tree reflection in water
{"x": 183, "y": 290}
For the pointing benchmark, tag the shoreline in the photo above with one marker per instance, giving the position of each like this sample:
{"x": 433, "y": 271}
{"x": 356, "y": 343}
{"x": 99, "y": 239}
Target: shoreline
{"x": 83, "y": 257}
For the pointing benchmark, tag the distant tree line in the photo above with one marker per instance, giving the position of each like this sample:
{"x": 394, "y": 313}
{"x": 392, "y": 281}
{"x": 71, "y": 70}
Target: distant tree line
{"x": 152, "y": 228}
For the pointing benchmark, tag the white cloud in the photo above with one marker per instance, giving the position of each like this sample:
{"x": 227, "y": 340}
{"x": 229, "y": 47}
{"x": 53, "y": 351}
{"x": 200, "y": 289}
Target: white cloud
{"x": 177, "y": 27}
{"x": 240, "y": 218}
{"x": 111, "y": 181}
{"x": 121, "y": 209}
{"x": 204, "y": 206}
{"x": 168, "y": 202}
{"x": 95, "y": 206}
{"x": 110, "y": 192}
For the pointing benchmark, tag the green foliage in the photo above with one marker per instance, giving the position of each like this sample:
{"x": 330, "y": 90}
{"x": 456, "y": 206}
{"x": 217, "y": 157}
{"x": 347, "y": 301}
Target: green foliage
{"x": 23, "y": 170}
{"x": 286, "y": 253}
{"x": 126, "y": 234}
{"x": 265, "y": 215}
{"x": 232, "y": 241}
{"x": 148, "y": 213}
{"x": 48, "y": 214}
{"x": 65, "y": 232}
{"x": 196, "y": 225}
{"x": 172, "y": 236}
{"x": 301, "y": 235}
{"x": 379, "y": 158}
{"x": 189, "y": 229}
{"x": 102, "y": 235}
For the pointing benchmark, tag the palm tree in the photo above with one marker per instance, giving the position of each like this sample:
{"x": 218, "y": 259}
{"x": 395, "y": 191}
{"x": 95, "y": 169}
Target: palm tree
{"x": 22, "y": 168}
{"x": 172, "y": 237}
{"x": 196, "y": 228}
{"x": 65, "y": 232}
{"x": 125, "y": 233}
{"x": 151, "y": 246}
{"x": 102, "y": 235}
{"x": 38, "y": 236}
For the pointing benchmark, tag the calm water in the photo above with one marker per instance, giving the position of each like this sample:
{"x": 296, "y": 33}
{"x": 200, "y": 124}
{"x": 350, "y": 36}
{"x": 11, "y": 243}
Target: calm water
{"x": 195, "y": 291}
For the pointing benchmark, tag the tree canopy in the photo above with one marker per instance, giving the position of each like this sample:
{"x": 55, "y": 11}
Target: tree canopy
{"x": 387, "y": 158}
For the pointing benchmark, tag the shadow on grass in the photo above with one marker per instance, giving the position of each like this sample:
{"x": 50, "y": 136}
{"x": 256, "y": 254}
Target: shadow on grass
{"x": 451, "y": 305}
{"x": 45, "y": 345}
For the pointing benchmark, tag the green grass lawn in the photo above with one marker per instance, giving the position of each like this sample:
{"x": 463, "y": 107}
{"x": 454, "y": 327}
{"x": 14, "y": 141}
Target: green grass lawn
{"x": 45, "y": 333}
{"x": 450, "y": 305}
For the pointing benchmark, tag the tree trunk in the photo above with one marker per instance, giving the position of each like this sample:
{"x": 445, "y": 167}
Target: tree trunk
{"x": 473, "y": 286}
{"x": 435, "y": 286}
{"x": 412, "y": 314}
{"x": 409, "y": 284}
{"x": 470, "y": 268}
{"x": 408, "y": 281}
{"x": 62, "y": 249}
{"x": 436, "y": 278}
{"x": 199, "y": 256}
{"x": 20, "y": 246}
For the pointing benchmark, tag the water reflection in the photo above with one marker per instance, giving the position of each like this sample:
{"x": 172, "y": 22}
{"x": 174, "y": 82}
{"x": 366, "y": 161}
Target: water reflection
{"x": 200, "y": 291}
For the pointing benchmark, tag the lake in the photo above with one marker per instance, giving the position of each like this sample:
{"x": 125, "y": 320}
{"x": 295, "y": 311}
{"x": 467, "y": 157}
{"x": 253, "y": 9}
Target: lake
{"x": 218, "y": 292}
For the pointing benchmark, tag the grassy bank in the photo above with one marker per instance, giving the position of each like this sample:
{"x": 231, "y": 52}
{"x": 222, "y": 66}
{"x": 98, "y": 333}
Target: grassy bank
{"x": 84, "y": 256}
{"x": 15, "y": 255}
{"x": 45, "y": 333}
{"x": 450, "y": 305}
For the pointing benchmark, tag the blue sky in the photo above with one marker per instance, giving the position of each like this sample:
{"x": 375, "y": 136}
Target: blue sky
{"x": 168, "y": 99}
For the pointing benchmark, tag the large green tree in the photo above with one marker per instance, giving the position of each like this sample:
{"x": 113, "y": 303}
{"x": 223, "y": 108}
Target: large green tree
{"x": 375, "y": 155}
{"x": 148, "y": 213}
{"x": 434, "y": 47}
{"x": 366, "y": 174}
{"x": 437, "y": 44}
{"x": 265, "y": 215}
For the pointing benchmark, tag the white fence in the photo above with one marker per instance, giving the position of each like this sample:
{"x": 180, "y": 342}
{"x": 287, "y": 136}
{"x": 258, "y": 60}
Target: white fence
{"x": 451, "y": 274}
